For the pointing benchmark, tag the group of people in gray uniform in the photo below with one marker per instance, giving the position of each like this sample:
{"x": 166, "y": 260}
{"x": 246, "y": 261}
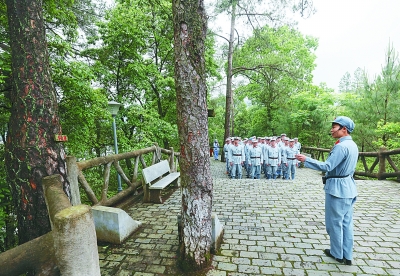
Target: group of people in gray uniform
{"x": 279, "y": 156}
{"x": 272, "y": 156}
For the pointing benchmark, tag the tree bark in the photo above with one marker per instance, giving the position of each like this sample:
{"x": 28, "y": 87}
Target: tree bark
{"x": 190, "y": 26}
{"x": 31, "y": 152}
{"x": 229, "y": 99}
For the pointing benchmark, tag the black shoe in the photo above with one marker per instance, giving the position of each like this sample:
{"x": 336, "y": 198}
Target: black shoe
{"x": 328, "y": 253}
{"x": 347, "y": 262}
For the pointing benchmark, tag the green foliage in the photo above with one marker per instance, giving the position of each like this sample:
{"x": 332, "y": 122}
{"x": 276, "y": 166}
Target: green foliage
{"x": 216, "y": 124}
{"x": 61, "y": 16}
{"x": 4, "y": 191}
{"x": 146, "y": 127}
{"x": 242, "y": 124}
{"x": 5, "y": 68}
{"x": 65, "y": 18}
{"x": 5, "y": 56}
{"x": 389, "y": 135}
{"x": 375, "y": 105}
{"x": 83, "y": 110}
{"x": 258, "y": 118}
{"x": 280, "y": 68}
{"x": 312, "y": 110}
{"x": 7, "y": 221}
{"x": 94, "y": 177}
{"x": 134, "y": 65}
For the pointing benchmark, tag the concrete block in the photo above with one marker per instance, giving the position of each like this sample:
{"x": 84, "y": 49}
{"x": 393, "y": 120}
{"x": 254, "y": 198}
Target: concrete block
{"x": 217, "y": 232}
{"x": 113, "y": 225}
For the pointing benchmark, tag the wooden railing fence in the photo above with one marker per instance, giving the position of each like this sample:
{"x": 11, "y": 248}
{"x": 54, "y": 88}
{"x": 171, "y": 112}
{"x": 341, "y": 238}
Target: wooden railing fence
{"x": 76, "y": 173}
{"x": 58, "y": 252}
{"x": 382, "y": 167}
{"x": 40, "y": 254}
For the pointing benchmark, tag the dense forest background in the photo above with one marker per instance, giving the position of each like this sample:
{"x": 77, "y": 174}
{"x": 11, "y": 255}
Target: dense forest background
{"x": 124, "y": 53}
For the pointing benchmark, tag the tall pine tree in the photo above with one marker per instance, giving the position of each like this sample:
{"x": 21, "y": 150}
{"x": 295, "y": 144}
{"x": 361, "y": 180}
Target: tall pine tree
{"x": 190, "y": 26}
{"x": 31, "y": 151}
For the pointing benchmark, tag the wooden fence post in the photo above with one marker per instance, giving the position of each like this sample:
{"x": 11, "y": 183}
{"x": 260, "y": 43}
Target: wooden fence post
{"x": 74, "y": 233}
{"x": 75, "y": 242}
{"x": 56, "y": 199}
{"x": 37, "y": 254}
{"x": 156, "y": 154}
{"x": 72, "y": 175}
{"x": 382, "y": 163}
{"x": 172, "y": 160}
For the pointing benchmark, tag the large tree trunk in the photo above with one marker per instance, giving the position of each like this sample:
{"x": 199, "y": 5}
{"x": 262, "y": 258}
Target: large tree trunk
{"x": 190, "y": 27}
{"x": 31, "y": 152}
{"x": 229, "y": 75}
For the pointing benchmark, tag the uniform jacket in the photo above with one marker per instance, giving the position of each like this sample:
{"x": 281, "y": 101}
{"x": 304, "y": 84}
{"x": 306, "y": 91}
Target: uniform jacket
{"x": 226, "y": 150}
{"x": 236, "y": 154}
{"x": 283, "y": 153}
{"x": 265, "y": 151}
{"x": 256, "y": 156}
{"x": 273, "y": 157}
{"x": 247, "y": 148}
{"x": 342, "y": 161}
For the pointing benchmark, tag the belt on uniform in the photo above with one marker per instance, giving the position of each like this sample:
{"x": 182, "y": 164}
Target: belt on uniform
{"x": 291, "y": 158}
{"x": 256, "y": 157}
{"x": 336, "y": 176}
{"x": 237, "y": 155}
{"x": 273, "y": 157}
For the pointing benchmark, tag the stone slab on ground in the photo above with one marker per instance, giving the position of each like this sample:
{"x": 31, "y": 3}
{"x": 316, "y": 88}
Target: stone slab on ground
{"x": 113, "y": 225}
{"x": 270, "y": 228}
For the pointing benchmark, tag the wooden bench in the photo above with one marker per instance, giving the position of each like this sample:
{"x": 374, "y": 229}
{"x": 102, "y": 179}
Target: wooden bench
{"x": 156, "y": 178}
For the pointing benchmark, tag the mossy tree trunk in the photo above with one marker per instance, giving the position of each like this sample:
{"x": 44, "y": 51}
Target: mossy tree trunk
{"x": 31, "y": 152}
{"x": 190, "y": 26}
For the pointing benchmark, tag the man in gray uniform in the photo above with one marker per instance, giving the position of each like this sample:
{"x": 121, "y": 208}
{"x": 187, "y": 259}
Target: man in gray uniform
{"x": 284, "y": 161}
{"x": 280, "y": 142}
{"x": 247, "y": 146}
{"x": 297, "y": 144}
{"x": 340, "y": 189}
{"x": 236, "y": 159}
{"x": 256, "y": 159}
{"x": 291, "y": 152}
{"x": 273, "y": 159}
{"x": 226, "y": 150}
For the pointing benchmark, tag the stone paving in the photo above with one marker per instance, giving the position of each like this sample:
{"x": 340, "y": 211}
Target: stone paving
{"x": 270, "y": 228}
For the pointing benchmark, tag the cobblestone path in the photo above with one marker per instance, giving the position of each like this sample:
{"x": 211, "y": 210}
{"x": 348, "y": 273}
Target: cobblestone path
{"x": 271, "y": 228}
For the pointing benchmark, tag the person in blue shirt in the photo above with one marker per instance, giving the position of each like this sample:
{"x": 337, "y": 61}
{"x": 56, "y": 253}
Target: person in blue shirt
{"x": 216, "y": 149}
{"x": 340, "y": 189}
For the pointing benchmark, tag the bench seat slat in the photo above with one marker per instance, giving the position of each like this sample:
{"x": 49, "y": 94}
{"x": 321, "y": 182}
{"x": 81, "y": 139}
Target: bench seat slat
{"x": 155, "y": 179}
{"x": 165, "y": 181}
{"x": 155, "y": 171}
